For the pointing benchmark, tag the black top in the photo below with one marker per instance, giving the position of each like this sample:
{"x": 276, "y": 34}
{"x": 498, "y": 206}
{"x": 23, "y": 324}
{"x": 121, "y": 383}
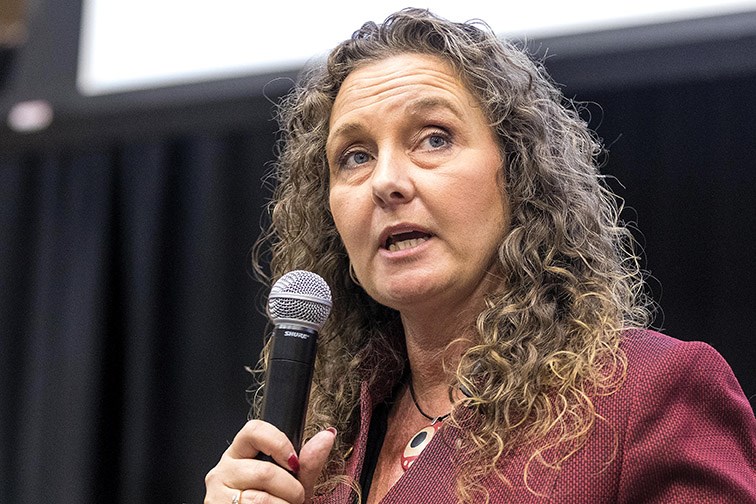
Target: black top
{"x": 376, "y": 435}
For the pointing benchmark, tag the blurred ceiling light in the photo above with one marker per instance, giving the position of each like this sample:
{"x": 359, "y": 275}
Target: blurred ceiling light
{"x": 30, "y": 116}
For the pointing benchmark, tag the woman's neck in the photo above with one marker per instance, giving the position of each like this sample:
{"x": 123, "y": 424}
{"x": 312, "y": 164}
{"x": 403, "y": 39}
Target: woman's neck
{"x": 434, "y": 349}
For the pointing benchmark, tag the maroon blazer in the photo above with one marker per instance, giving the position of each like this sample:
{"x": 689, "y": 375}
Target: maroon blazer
{"x": 681, "y": 426}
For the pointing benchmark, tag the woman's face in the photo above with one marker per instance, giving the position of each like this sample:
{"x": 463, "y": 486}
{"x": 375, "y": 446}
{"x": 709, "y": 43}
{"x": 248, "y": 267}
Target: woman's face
{"x": 415, "y": 190}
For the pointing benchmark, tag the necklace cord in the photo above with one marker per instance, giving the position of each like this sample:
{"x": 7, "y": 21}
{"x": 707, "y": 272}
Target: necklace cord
{"x": 414, "y": 400}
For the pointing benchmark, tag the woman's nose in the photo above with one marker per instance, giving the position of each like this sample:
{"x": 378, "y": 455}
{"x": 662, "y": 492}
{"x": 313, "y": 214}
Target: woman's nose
{"x": 391, "y": 180}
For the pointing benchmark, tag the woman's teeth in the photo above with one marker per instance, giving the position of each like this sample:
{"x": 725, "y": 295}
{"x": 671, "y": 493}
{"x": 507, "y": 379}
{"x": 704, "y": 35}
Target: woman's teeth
{"x": 405, "y": 244}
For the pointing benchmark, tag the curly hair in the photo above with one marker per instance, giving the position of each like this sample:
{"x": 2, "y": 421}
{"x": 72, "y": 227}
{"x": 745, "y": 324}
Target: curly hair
{"x": 548, "y": 340}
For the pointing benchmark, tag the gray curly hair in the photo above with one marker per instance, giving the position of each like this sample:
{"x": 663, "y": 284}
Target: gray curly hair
{"x": 549, "y": 340}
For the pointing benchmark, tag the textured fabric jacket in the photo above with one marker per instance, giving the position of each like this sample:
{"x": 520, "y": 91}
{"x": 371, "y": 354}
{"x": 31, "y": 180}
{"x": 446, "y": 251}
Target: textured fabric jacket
{"x": 680, "y": 430}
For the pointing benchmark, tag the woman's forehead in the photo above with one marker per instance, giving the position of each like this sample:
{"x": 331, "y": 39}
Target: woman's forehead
{"x": 416, "y": 80}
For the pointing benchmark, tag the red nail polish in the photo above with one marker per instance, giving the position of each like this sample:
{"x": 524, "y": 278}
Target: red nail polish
{"x": 294, "y": 463}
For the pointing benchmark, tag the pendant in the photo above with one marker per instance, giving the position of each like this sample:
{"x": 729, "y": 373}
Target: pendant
{"x": 418, "y": 442}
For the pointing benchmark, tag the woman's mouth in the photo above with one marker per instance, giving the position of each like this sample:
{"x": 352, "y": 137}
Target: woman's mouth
{"x": 404, "y": 241}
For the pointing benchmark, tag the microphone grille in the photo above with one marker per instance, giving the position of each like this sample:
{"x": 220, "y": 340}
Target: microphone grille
{"x": 300, "y": 298}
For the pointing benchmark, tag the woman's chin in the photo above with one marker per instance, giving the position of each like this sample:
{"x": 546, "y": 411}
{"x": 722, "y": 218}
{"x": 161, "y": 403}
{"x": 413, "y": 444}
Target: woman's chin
{"x": 406, "y": 296}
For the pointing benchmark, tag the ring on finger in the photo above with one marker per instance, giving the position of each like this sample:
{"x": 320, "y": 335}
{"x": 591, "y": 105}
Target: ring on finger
{"x": 237, "y": 498}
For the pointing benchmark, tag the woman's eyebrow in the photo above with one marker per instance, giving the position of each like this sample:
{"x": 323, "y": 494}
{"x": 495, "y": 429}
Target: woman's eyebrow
{"x": 431, "y": 103}
{"x": 346, "y": 129}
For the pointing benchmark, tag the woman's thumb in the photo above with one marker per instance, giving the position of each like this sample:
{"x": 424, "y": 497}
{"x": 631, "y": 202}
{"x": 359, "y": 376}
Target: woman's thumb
{"x": 312, "y": 458}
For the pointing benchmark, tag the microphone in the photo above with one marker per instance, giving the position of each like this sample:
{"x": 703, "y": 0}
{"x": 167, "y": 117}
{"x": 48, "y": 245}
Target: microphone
{"x": 298, "y": 306}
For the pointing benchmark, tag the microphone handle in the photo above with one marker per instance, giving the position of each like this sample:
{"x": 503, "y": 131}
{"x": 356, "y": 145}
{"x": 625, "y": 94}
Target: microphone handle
{"x": 288, "y": 380}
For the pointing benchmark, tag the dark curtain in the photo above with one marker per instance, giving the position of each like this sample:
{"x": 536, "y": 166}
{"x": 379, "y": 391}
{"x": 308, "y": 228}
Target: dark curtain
{"x": 128, "y": 313}
{"x": 685, "y": 160}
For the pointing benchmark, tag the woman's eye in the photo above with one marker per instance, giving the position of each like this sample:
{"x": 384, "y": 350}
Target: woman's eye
{"x": 360, "y": 157}
{"x": 354, "y": 158}
{"x": 436, "y": 140}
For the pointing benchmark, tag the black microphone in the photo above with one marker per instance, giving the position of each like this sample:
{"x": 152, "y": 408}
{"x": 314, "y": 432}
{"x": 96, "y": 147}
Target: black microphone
{"x": 298, "y": 306}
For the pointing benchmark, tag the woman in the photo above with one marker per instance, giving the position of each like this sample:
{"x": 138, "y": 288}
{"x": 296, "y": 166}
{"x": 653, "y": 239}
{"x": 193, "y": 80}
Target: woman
{"x": 486, "y": 340}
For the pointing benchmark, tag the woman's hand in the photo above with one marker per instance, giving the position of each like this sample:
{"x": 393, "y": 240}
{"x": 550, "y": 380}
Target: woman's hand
{"x": 239, "y": 477}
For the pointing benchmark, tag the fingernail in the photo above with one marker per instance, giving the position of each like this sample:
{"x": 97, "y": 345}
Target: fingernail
{"x": 294, "y": 463}
{"x": 332, "y": 430}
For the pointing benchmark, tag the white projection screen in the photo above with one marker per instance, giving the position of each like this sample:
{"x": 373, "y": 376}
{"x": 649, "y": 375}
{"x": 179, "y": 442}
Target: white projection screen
{"x": 128, "y": 45}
